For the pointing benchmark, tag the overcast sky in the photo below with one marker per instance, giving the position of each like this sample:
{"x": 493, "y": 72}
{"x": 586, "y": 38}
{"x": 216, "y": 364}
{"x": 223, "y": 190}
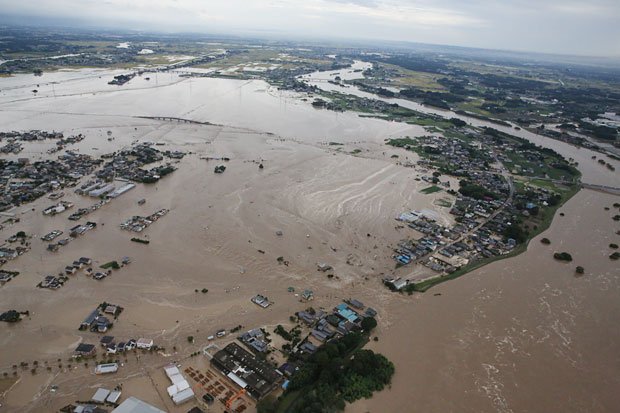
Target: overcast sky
{"x": 587, "y": 27}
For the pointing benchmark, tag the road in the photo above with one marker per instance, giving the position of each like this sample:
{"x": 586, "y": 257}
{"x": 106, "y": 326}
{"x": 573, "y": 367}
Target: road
{"x": 504, "y": 172}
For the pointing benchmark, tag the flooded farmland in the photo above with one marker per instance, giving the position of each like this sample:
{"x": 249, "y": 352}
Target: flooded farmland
{"x": 517, "y": 335}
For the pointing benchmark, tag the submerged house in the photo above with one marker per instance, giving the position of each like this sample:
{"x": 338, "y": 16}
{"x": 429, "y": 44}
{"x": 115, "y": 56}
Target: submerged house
{"x": 88, "y": 321}
{"x": 84, "y": 350}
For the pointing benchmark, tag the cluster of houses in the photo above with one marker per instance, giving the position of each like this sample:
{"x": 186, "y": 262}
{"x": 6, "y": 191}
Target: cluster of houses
{"x": 13, "y": 147}
{"x": 443, "y": 249}
{"x": 10, "y": 253}
{"x": 129, "y": 163}
{"x": 78, "y": 265}
{"x": 6, "y": 276}
{"x": 14, "y": 139}
{"x": 112, "y": 347}
{"x": 85, "y": 350}
{"x": 56, "y": 195}
{"x": 52, "y": 235}
{"x": 98, "y": 320}
{"x": 81, "y": 212}
{"x": 409, "y": 250}
{"x": 487, "y": 206}
{"x": 30, "y": 136}
{"x": 63, "y": 142}
{"x": 138, "y": 223}
{"x": 74, "y": 232}
{"x": 59, "y": 208}
{"x": 81, "y": 229}
{"x": 344, "y": 318}
{"x": 54, "y": 282}
{"x": 22, "y": 181}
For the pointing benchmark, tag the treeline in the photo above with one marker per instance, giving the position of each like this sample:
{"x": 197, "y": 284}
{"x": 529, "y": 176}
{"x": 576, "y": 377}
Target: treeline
{"x": 337, "y": 373}
{"x": 475, "y": 191}
{"x": 437, "y": 99}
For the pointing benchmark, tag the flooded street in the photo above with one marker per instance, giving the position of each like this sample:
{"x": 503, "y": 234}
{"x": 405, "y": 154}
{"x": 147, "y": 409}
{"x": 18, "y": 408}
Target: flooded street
{"x": 518, "y": 335}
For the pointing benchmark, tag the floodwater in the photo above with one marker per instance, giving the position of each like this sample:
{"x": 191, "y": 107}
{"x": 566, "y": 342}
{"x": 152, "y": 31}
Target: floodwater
{"x": 592, "y": 172}
{"x": 520, "y": 335}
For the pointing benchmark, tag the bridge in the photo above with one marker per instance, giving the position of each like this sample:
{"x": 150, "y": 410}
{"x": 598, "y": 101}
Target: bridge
{"x": 179, "y": 120}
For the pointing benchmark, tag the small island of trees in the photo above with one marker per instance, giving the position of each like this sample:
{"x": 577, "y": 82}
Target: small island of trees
{"x": 337, "y": 373}
{"x": 563, "y": 256}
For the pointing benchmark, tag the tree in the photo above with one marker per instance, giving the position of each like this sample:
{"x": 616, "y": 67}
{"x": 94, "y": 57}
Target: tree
{"x": 267, "y": 405}
{"x": 368, "y": 324}
{"x": 563, "y": 256}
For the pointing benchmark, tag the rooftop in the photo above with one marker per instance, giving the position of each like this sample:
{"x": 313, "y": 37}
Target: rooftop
{"x": 133, "y": 405}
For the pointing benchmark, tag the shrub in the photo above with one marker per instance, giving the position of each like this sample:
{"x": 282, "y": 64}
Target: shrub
{"x": 563, "y": 256}
{"x": 368, "y": 324}
{"x": 579, "y": 270}
{"x": 545, "y": 241}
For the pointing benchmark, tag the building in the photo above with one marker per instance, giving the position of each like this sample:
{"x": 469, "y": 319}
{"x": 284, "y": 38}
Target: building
{"x": 356, "y": 304}
{"x": 106, "y": 340}
{"x": 180, "y": 390}
{"x": 113, "y": 397}
{"x": 106, "y": 368}
{"x": 101, "y": 191}
{"x": 261, "y": 301}
{"x": 255, "y": 339}
{"x": 144, "y": 343}
{"x": 133, "y": 405}
{"x": 84, "y": 350}
{"x": 100, "y": 395}
{"x": 249, "y": 372}
{"x": 121, "y": 190}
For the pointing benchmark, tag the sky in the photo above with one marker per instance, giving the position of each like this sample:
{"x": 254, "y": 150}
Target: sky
{"x": 590, "y": 27}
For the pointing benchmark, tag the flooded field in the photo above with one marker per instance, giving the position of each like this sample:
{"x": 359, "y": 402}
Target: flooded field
{"x": 516, "y": 335}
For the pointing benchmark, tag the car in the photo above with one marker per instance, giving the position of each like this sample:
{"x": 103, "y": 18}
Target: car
{"x": 131, "y": 344}
{"x": 112, "y": 349}
{"x": 122, "y": 346}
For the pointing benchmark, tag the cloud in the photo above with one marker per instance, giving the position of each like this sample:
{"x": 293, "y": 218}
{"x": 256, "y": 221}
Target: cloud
{"x": 562, "y": 26}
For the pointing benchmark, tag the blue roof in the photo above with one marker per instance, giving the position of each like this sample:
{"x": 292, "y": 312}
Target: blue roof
{"x": 348, "y": 314}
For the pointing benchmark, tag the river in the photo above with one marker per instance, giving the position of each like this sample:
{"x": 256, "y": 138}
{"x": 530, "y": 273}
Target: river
{"x": 520, "y": 335}
{"x": 592, "y": 172}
